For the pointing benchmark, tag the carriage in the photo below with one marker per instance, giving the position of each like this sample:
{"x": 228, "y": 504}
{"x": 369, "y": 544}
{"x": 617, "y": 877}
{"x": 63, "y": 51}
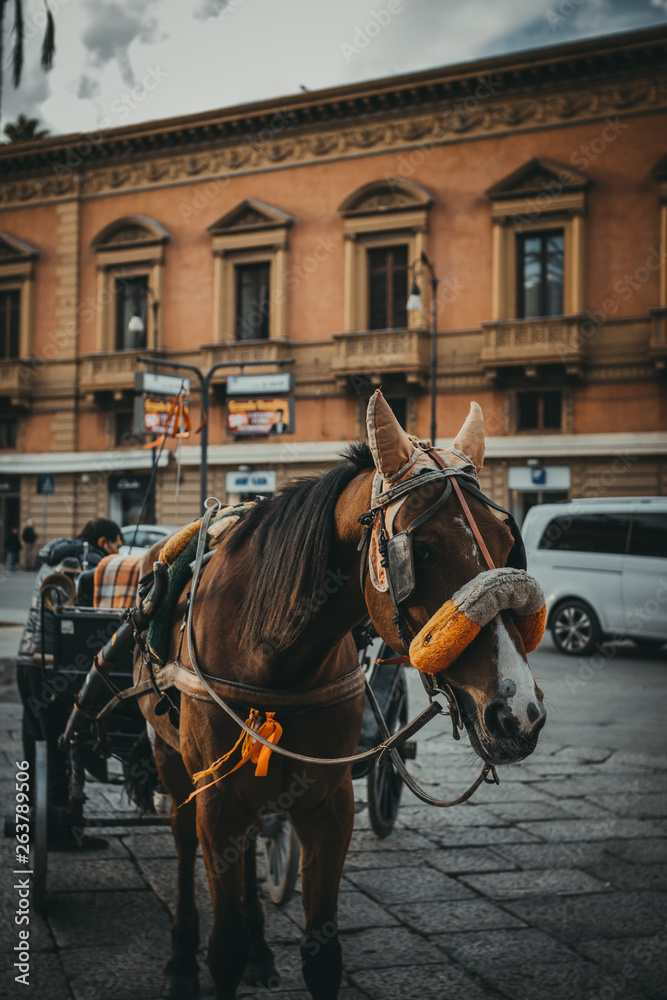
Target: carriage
{"x": 77, "y": 632}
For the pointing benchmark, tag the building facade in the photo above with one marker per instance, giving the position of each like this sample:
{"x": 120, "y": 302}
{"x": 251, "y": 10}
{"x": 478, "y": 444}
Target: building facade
{"x": 534, "y": 184}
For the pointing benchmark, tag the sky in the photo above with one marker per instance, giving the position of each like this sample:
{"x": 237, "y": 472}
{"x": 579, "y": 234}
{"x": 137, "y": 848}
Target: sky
{"x": 119, "y": 62}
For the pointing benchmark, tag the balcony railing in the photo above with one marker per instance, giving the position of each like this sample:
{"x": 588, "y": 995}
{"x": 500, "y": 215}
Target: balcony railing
{"x": 244, "y": 350}
{"x": 109, "y": 371}
{"x": 16, "y": 379}
{"x": 532, "y": 342}
{"x": 383, "y": 352}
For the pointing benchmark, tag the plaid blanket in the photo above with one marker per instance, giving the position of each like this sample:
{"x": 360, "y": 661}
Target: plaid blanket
{"x": 115, "y": 581}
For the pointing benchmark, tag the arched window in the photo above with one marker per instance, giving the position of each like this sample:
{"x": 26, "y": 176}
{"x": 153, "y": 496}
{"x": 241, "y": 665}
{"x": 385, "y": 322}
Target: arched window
{"x": 130, "y": 259}
{"x": 250, "y": 273}
{"x": 385, "y": 226}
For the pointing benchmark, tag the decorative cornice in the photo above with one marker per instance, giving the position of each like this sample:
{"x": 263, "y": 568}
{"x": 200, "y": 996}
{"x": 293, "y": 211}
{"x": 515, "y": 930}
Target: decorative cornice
{"x": 589, "y": 80}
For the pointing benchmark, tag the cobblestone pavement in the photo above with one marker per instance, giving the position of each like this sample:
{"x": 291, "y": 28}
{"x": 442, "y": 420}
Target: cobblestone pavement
{"x": 549, "y": 887}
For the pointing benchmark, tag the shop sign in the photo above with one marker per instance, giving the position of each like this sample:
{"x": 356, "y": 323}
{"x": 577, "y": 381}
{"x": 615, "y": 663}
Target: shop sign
{"x": 160, "y": 385}
{"x": 528, "y": 478}
{"x": 128, "y": 483}
{"x": 10, "y": 484}
{"x": 156, "y": 411}
{"x": 259, "y": 385}
{"x": 262, "y": 415}
{"x": 256, "y": 481}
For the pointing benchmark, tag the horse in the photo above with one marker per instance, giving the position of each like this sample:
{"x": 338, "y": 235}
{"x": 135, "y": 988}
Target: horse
{"x": 273, "y": 614}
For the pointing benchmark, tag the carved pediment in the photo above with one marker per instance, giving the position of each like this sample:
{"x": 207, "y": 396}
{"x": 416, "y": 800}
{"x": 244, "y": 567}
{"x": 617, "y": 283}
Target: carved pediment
{"x": 249, "y": 215}
{"x": 389, "y": 195}
{"x": 132, "y": 230}
{"x": 536, "y": 177}
{"x": 13, "y": 250}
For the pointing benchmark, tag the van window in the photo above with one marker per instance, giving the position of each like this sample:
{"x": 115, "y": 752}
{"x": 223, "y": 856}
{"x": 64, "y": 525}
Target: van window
{"x": 587, "y": 533}
{"x": 649, "y": 535}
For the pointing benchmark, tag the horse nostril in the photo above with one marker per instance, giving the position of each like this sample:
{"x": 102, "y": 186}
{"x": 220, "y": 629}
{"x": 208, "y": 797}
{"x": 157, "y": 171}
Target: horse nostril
{"x": 498, "y": 717}
{"x": 533, "y": 712}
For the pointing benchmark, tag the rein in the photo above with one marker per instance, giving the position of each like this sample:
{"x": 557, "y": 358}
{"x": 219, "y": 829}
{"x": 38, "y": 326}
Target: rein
{"x": 389, "y": 744}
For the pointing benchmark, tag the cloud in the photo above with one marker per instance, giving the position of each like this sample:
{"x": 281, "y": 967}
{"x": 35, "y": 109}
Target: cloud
{"x": 112, "y": 29}
{"x": 87, "y": 88}
{"x": 209, "y": 8}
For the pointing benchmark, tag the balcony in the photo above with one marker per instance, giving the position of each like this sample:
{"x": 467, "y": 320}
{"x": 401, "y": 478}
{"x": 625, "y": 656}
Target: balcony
{"x": 16, "y": 379}
{"x": 238, "y": 351}
{"x": 657, "y": 344}
{"x": 109, "y": 372}
{"x": 377, "y": 353}
{"x": 528, "y": 343}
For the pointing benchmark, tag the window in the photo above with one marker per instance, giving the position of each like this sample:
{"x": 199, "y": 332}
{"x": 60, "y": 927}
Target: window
{"x": 131, "y": 300}
{"x": 130, "y": 260}
{"x": 540, "y": 274}
{"x": 385, "y": 230}
{"x": 10, "y": 324}
{"x": 648, "y": 536}
{"x": 587, "y": 533}
{"x": 539, "y": 411}
{"x": 387, "y": 288}
{"x": 8, "y": 432}
{"x": 252, "y": 301}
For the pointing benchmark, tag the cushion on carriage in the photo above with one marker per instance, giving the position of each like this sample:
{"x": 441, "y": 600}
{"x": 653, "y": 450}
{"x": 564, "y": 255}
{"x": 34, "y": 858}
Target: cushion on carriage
{"x": 116, "y": 579}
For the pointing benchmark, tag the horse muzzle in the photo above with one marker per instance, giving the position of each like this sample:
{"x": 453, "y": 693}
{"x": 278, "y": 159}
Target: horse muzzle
{"x": 454, "y": 626}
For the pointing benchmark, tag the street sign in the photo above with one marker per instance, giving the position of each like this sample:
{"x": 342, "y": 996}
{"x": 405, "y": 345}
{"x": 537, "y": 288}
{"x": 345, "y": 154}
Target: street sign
{"x": 258, "y": 385}
{"x": 46, "y": 484}
{"x": 251, "y": 482}
{"x": 162, "y": 385}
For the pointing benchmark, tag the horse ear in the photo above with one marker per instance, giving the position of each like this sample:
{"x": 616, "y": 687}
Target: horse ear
{"x": 390, "y": 445}
{"x": 470, "y": 439}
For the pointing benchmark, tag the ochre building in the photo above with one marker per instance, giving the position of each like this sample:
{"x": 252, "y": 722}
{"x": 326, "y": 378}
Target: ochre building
{"x": 536, "y": 187}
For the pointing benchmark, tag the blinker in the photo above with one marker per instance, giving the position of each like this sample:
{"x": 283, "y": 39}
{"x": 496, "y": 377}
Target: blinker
{"x": 400, "y": 566}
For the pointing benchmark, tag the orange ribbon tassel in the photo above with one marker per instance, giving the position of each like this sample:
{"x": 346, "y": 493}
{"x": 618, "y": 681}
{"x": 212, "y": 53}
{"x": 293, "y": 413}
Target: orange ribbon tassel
{"x": 251, "y": 750}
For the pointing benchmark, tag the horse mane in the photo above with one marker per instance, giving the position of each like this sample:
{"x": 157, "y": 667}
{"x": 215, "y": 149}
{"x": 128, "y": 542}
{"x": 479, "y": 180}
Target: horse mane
{"x": 292, "y": 538}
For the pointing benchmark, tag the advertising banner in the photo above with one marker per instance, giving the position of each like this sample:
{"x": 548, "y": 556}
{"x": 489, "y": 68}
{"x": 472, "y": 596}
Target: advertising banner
{"x": 156, "y": 411}
{"x": 261, "y": 415}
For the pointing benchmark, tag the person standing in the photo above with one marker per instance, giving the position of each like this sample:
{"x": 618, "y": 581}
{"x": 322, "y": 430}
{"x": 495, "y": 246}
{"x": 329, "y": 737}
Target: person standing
{"x": 29, "y": 538}
{"x": 12, "y": 548}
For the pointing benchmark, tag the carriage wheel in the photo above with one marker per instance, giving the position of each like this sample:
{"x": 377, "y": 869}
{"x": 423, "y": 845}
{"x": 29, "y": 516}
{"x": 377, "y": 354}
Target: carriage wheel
{"x": 39, "y": 826}
{"x": 384, "y": 783}
{"x": 282, "y": 856}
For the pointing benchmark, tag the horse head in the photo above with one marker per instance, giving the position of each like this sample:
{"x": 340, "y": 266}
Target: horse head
{"x": 468, "y": 617}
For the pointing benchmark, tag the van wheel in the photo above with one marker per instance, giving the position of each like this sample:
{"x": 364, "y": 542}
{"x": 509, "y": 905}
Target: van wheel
{"x": 575, "y": 628}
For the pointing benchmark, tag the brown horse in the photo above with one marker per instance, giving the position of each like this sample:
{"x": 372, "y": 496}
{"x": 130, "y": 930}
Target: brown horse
{"x": 274, "y": 611}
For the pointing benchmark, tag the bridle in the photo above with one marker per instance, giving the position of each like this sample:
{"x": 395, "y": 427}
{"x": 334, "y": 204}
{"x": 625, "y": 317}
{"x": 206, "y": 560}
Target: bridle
{"x": 396, "y": 550}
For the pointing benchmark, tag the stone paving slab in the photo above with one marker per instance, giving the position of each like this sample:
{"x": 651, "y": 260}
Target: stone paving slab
{"x": 608, "y": 829}
{"x": 48, "y": 981}
{"x": 425, "y": 983}
{"x": 462, "y": 915}
{"x": 541, "y": 856}
{"x": 639, "y": 851}
{"x": 515, "y": 885}
{"x": 405, "y": 885}
{"x": 456, "y": 861}
{"x": 534, "y": 980}
{"x": 636, "y": 963}
{"x": 93, "y": 920}
{"x": 625, "y": 875}
{"x": 377, "y": 947}
{"x": 73, "y": 874}
{"x": 580, "y": 918}
{"x": 491, "y": 949}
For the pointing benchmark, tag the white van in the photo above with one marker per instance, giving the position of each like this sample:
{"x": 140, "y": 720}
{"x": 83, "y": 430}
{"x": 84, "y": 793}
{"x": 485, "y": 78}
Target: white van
{"x": 602, "y": 564}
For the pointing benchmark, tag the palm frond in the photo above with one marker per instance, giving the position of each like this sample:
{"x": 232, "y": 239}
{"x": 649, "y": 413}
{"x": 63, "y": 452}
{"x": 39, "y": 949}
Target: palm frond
{"x": 49, "y": 43}
{"x": 17, "y": 55}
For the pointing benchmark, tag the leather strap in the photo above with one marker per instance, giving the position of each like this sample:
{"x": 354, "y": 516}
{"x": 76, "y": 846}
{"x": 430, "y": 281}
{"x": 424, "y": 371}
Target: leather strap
{"x": 473, "y": 524}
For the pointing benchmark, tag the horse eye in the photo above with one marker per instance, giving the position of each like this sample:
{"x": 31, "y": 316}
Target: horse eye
{"x": 422, "y": 553}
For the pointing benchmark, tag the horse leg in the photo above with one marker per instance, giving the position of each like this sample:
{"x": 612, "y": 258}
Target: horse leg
{"x": 222, "y": 835}
{"x": 324, "y": 833}
{"x": 261, "y": 965}
{"x": 181, "y": 971}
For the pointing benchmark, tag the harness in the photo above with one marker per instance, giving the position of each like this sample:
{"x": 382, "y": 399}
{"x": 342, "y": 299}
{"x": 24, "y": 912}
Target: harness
{"x": 392, "y": 570}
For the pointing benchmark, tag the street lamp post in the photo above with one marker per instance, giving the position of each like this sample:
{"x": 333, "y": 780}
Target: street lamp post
{"x": 136, "y": 326}
{"x": 204, "y": 389}
{"x": 415, "y": 302}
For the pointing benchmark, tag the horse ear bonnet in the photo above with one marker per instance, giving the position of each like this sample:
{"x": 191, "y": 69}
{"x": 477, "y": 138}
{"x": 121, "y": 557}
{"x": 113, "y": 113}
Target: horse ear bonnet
{"x": 390, "y": 446}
